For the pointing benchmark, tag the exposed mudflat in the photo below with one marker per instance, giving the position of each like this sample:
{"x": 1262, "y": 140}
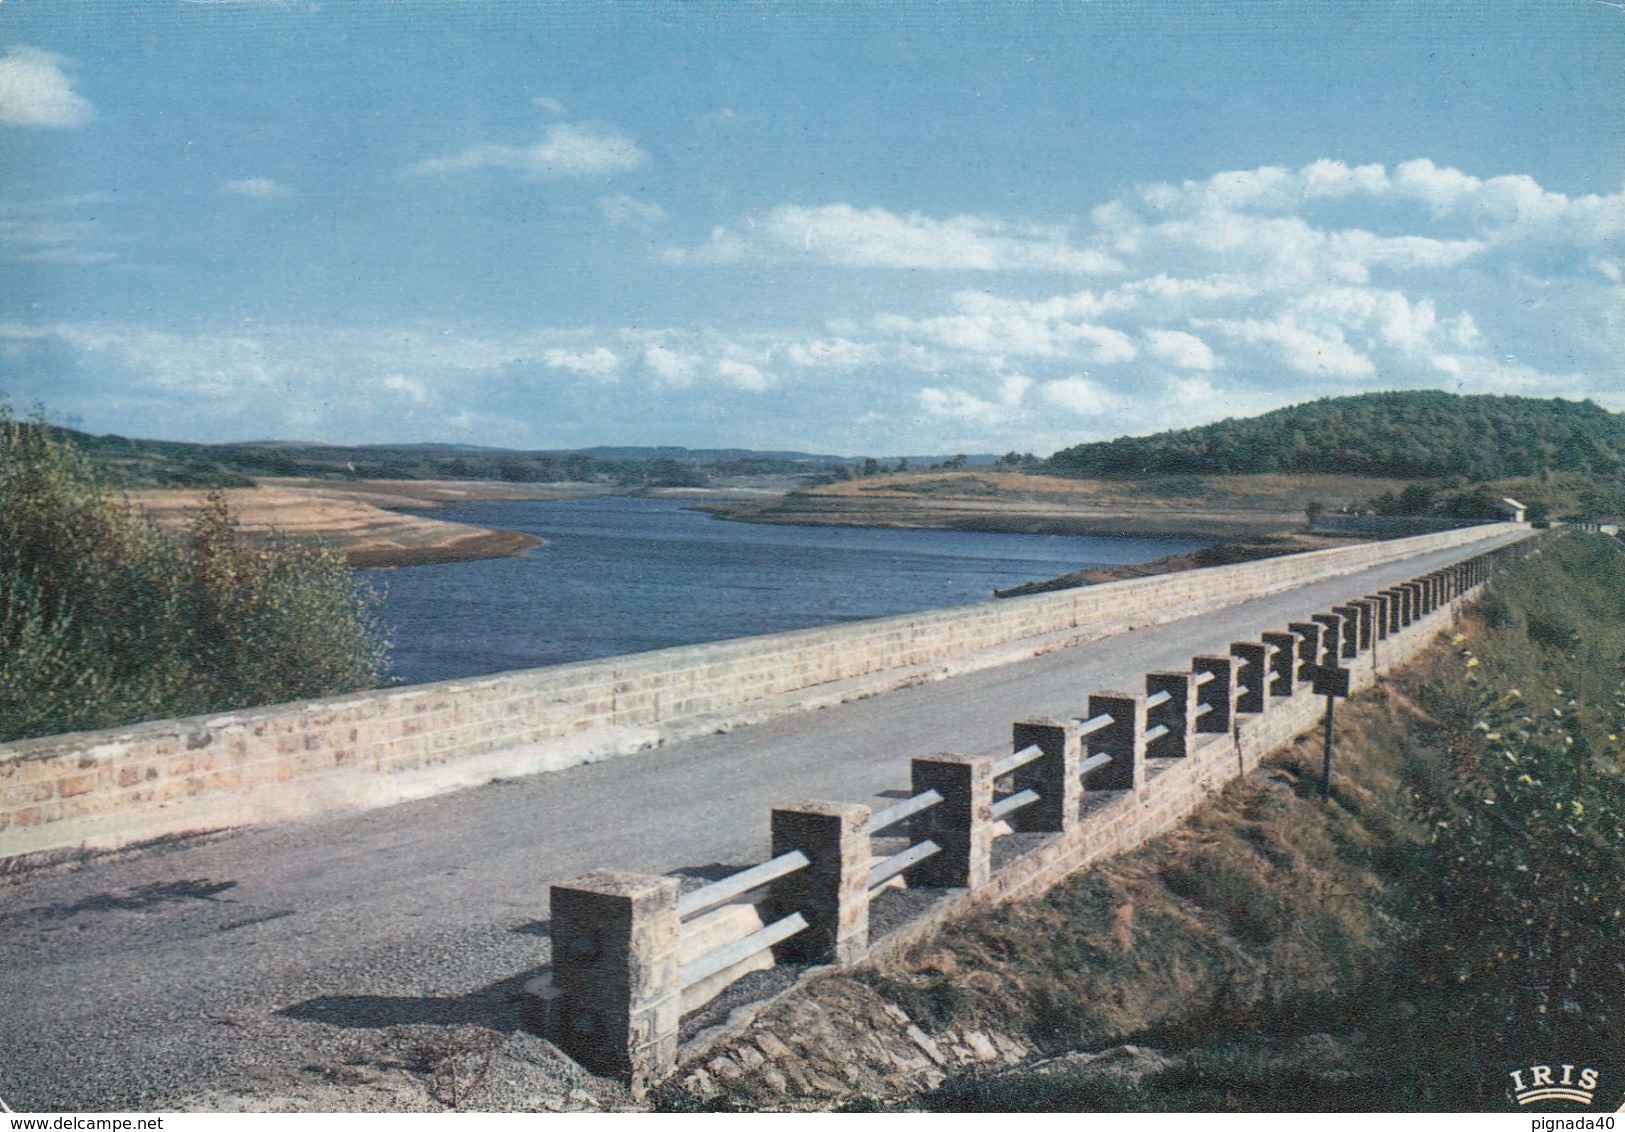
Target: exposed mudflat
{"x": 1205, "y": 507}
{"x": 354, "y": 521}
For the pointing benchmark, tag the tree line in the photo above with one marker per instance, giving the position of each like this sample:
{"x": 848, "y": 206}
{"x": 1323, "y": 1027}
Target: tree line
{"x": 1402, "y": 435}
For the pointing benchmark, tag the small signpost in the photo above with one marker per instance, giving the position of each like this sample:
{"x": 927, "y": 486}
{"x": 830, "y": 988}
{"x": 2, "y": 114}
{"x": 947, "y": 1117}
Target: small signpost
{"x": 1331, "y": 682}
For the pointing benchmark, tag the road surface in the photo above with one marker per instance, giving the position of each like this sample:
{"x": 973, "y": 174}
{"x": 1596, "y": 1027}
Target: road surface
{"x": 134, "y": 980}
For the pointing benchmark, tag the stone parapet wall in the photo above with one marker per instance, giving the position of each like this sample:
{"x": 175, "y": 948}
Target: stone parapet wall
{"x": 125, "y": 785}
{"x": 1168, "y": 788}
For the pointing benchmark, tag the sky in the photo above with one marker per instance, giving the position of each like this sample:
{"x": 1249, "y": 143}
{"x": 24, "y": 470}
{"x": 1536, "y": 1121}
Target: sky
{"x": 857, "y": 228}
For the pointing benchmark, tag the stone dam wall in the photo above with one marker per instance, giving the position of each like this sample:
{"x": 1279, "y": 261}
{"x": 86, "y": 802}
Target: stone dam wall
{"x": 122, "y": 786}
{"x": 633, "y": 954}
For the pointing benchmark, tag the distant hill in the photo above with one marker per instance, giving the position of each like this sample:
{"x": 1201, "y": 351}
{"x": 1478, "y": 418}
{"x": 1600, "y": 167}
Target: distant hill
{"x": 176, "y": 464}
{"x": 1408, "y": 435}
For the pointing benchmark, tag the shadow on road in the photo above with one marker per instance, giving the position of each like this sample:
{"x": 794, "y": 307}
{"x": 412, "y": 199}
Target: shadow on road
{"x": 496, "y": 1007}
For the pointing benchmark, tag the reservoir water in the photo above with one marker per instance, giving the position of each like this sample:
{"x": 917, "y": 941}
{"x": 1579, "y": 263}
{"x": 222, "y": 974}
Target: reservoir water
{"x": 624, "y": 575}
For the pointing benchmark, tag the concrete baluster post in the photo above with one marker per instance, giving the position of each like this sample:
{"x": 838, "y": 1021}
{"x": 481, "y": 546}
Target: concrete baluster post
{"x": 1350, "y": 634}
{"x": 962, "y": 823}
{"x": 1177, "y": 713}
{"x": 1379, "y": 616}
{"x": 1308, "y": 634}
{"x": 832, "y": 892}
{"x": 1218, "y": 695}
{"x": 615, "y": 969}
{"x": 1053, "y": 775}
{"x": 1394, "y": 599}
{"x": 1253, "y": 676}
{"x": 1123, "y": 739}
{"x": 1331, "y": 648}
{"x": 1282, "y": 655}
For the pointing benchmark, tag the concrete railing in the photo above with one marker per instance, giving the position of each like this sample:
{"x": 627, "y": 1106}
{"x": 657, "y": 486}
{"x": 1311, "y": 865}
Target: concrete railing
{"x": 1132, "y": 766}
{"x": 104, "y": 789}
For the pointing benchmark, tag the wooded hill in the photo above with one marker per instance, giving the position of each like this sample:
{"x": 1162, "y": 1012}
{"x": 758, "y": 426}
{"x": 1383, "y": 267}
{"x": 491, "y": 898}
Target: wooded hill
{"x": 176, "y": 464}
{"x": 1408, "y": 435}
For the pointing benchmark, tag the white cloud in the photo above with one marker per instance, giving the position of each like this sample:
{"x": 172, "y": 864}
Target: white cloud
{"x": 671, "y": 367}
{"x": 958, "y": 404}
{"x": 841, "y": 235}
{"x": 35, "y": 91}
{"x": 1080, "y": 395}
{"x": 1175, "y": 347}
{"x": 601, "y": 362}
{"x": 565, "y": 151}
{"x": 833, "y": 353}
{"x": 414, "y": 391}
{"x": 626, "y": 211}
{"x": 1317, "y": 354}
{"x": 743, "y": 375}
{"x": 263, "y": 188}
{"x": 1013, "y": 390}
{"x": 999, "y": 327}
{"x": 1233, "y": 296}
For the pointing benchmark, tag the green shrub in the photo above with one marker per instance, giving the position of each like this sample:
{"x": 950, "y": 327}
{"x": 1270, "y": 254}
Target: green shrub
{"x": 105, "y": 619}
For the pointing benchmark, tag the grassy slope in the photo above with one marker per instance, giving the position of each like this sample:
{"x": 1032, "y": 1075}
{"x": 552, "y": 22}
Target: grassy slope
{"x": 1453, "y": 914}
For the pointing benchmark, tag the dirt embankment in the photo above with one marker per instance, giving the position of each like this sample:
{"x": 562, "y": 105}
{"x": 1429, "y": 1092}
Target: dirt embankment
{"x": 360, "y": 520}
{"x": 1204, "y": 507}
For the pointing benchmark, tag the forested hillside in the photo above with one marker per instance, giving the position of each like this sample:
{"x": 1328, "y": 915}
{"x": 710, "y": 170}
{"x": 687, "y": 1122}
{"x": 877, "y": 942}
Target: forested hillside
{"x": 1411, "y": 435}
{"x": 175, "y": 464}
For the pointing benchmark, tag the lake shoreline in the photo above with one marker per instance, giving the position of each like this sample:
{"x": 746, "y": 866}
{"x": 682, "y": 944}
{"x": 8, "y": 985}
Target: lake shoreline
{"x": 378, "y": 524}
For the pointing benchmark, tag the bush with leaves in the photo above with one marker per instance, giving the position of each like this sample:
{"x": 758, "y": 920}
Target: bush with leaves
{"x": 1530, "y": 833}
{"x": 105, "y": 619}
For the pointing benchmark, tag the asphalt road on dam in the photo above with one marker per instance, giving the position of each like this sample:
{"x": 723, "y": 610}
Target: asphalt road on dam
{"x": 140, "y": 979}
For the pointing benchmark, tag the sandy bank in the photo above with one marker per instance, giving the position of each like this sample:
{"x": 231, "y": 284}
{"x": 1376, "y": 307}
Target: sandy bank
{"x": 353, "y": 521}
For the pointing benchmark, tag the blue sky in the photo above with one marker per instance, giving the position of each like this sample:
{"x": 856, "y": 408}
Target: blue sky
{"x": 845, "y": 227}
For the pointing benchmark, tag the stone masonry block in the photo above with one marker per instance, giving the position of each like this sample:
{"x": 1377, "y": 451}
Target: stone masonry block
{"x": 1350, "y": 636}
{"x": 615, "y": 939}
{"x": 1282, "y": 662}
{"x": 832, "y": 892}
{"x": 1217, "y": 694}
{"x": 961, "y": 824}
{"x": 1053, "y": 775}
{"x": 1123, "y": 739}
{"x": 1252, "y": 676}
{"x": 1331, "y": 638}
{"x": 1382, "y": 612}
{"x": 1177, "y": 713}
{"x": 1308, "y": 634}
